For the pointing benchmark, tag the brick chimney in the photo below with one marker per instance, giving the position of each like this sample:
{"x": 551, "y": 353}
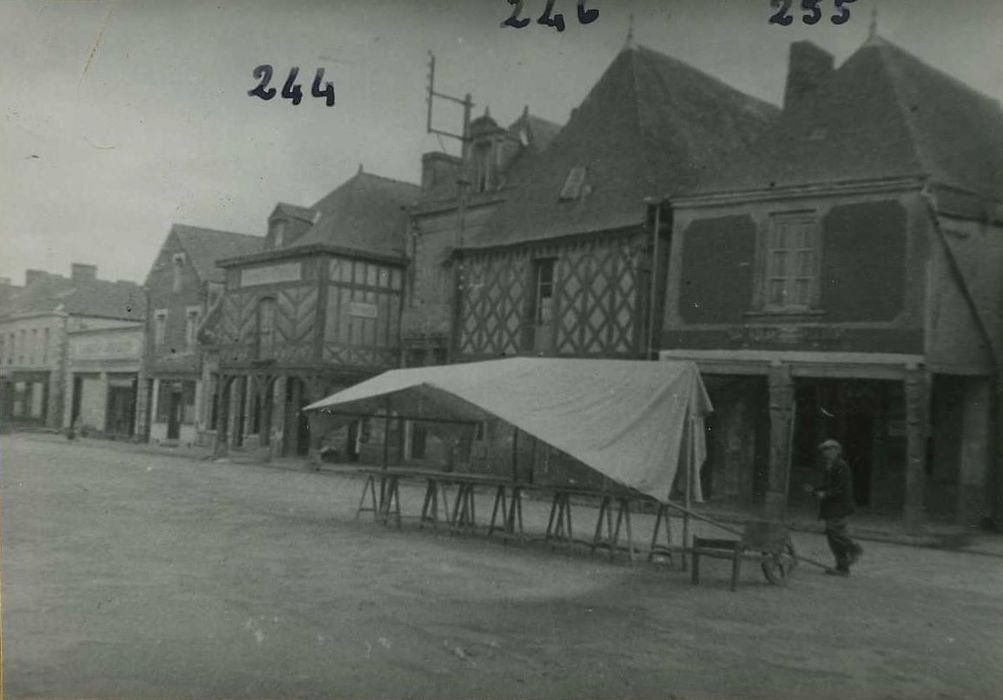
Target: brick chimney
{"x": 439, "y": 170}
{"x": 80, "y": 272}
{"x": 809, "y": 67}
{"x": 32, "y": 275}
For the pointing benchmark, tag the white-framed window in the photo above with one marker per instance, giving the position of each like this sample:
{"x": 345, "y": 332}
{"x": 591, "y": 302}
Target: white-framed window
{"x": 574, "y": 184}
{"x": 278, "y": 233}
{"x": 215, "y": 292}
{"x": 482, "y": 167}
{"x": 791, "y": 262}
{"x": 192, "y": 315}
{"x": 543, "y": 311}
{"x": 159, "y": 327}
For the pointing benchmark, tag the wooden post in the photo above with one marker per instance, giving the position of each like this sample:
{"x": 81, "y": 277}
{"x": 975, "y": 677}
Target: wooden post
{"x": 515, "y": 454}
{"x": 687, "y": 494}
{"x": 384, "y": 503}
{"x": 917, "y": 405}
{"x": 781, "y": 407}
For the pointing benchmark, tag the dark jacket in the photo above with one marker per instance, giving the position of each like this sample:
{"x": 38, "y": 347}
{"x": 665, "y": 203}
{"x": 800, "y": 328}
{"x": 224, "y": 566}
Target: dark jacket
{"x": 837, "y": 490}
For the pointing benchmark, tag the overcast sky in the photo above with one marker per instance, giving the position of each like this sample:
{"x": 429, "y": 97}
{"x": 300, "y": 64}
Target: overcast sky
{"x": 120, "y": 118}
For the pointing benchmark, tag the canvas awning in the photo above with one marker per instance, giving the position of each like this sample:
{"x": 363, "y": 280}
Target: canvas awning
{"x": 635, "y": 422}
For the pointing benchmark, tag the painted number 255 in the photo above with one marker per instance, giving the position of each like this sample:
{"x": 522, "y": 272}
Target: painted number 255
{"x": 291, "y": 89}
{"x": 812, "y": 12}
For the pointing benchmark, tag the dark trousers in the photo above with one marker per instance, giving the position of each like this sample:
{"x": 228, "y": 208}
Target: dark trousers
{"x": 843, "y": 548}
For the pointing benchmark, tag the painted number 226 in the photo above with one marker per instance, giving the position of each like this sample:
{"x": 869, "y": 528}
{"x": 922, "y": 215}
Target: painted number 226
{"x": 812, "y": 12}
{"x": 291, "y": 90}
{"x": 548, "y": 18}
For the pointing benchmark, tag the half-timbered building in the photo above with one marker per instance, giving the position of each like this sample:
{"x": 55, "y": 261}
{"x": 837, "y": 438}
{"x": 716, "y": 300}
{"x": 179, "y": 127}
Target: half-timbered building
{"x": 847, "y": 283}
{"x": 183, "y": 283}
{"x": 570, "y": 263}
{"x": 317, "y": 309}
{"x": 493, "y": 162}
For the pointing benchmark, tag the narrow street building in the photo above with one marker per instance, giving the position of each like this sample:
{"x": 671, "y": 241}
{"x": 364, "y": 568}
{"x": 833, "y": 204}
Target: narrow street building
{"x": 319, "y": 308}
{"x": 35, "y": 325}
{"x": 182, "y": 284}
{"x": 847, "y": 282}
{"x": 493, "y": 162}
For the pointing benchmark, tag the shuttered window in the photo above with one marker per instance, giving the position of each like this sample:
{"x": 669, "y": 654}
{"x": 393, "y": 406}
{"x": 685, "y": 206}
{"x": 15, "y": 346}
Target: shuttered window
{"x": 791, "y": 262}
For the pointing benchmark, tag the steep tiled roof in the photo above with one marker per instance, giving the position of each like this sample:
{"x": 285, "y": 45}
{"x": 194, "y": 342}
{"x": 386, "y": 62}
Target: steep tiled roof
{"x": 297, "y": 212}
{"x": 205, "y": 246}
{"x": 541, "y": 131}
{"x": 367, "y": 213}
{"x": 651, "y": 126}
{"x": 53, "y": 293}
{"x": 538, "y": 134}
{"x": 882, "y": 114}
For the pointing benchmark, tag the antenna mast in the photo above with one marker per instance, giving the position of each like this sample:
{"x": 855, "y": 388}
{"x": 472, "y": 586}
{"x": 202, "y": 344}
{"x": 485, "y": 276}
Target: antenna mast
{"x": 466, "y": 103}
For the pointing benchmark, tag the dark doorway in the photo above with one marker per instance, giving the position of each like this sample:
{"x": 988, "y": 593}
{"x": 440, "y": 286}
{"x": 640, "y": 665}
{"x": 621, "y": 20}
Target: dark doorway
{"x": 241, "y": 422}
{"x": 302, "y": 429}
{"x": 297, "y": 427}
{"x": 858, "y": 450}
{"x": 78, "y": 390}
{"x": 119, "y": 411}
{"x": 174, "y": 413}
{"x": 352, "y": 442}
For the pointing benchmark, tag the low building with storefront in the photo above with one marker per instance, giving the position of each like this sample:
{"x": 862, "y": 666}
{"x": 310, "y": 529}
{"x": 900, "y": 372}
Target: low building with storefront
{"x": 102, "y": 376}
{"x": 35, "y": 323}
{"x": 847, "y": 283}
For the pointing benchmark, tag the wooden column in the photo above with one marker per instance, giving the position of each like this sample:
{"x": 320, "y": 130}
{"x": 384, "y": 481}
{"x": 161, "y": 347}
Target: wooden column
{"x": 917, "y": 411}
{"x": 976, "y": 452}
{"x": 277, "y": 418}
{"x": 222, "y": 414}
{"x": 781, "y": 413}
{"x": 996, "y": 460}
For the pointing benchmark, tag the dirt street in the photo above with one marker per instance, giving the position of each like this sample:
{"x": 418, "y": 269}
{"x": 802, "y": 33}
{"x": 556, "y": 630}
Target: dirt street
{"x": 127, "y": 575}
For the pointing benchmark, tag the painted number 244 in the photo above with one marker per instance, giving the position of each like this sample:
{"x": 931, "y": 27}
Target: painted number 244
{"x": 812, "y": 12}
{"x": 291, "y": 90}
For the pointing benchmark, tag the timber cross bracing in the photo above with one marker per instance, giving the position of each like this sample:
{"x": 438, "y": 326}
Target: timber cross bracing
{"x": 598, "y": 289}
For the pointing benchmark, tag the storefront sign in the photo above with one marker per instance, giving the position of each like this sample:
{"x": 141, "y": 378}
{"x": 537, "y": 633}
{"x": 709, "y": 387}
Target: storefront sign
{"x": 362, "y": 309}
{"x": 785, "y": 335}
{"x": 272, "y": 274}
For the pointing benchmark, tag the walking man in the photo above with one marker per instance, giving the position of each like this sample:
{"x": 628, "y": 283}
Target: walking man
{"x": 835, "y": 498}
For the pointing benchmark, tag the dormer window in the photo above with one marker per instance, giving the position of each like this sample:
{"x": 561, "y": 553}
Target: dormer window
{"x": 574, "y": 185}
{"x": 278, "y": 233}
{"x": 483, "y": 167}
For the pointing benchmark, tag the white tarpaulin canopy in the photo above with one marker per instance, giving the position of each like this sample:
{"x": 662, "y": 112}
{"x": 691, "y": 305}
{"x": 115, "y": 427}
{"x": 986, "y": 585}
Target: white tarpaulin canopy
{"x": 635, "y": 422}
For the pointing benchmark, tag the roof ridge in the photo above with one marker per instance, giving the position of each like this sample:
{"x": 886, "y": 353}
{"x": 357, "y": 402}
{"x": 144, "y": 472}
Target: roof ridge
{"x": 203, "y": 229}
{"x": 710, "y": 77}
{"x": 882, "y": 44}
{"x": 894, "y": 76}
{"x": 647, "y": 154}
{"x": 382, "y": 177}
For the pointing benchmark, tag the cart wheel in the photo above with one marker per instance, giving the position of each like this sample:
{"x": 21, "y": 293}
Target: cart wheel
{"x": 777, "y": 566}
